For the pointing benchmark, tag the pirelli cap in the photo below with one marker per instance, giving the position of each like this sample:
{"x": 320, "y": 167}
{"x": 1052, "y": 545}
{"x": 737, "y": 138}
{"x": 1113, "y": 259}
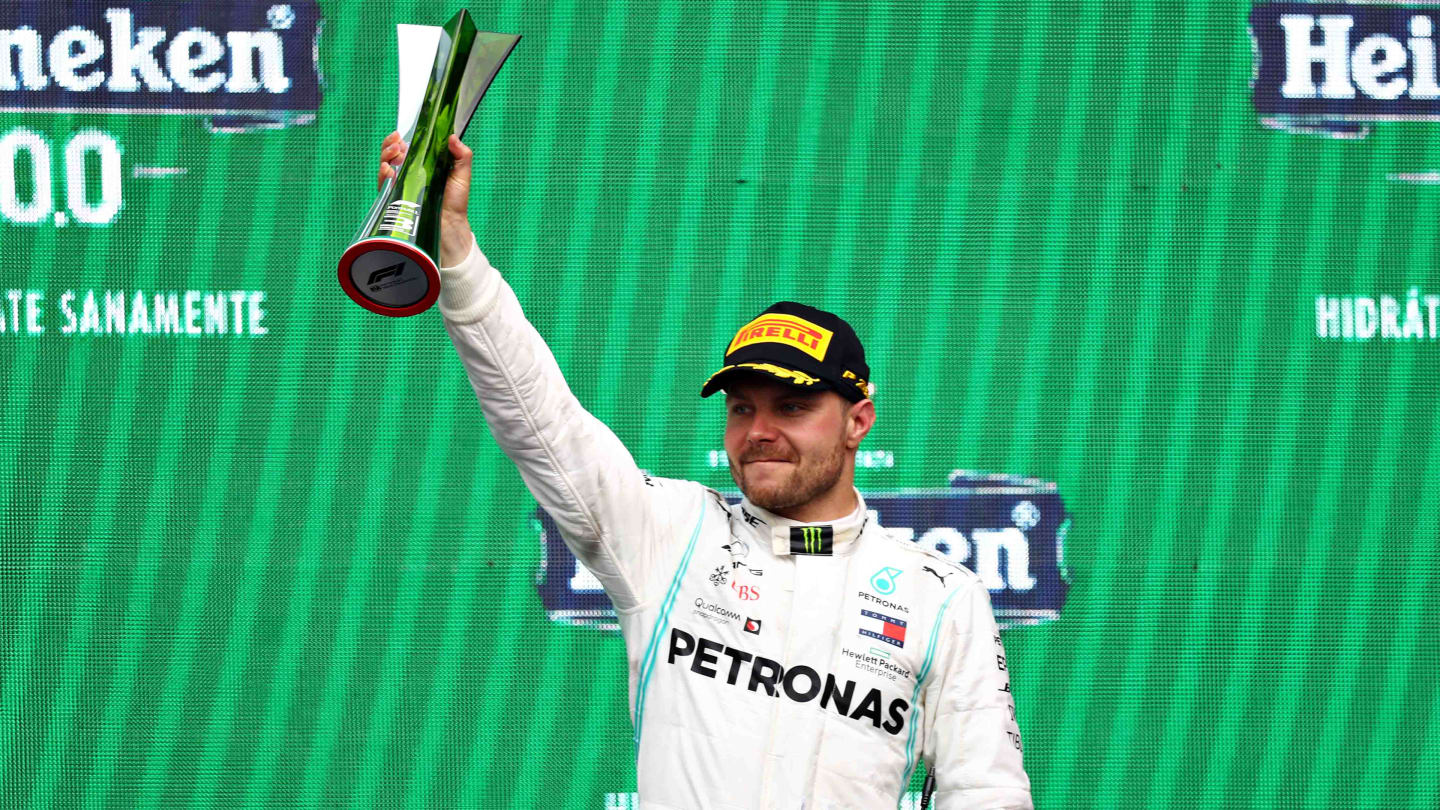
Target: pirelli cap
{"x": 803, "y": 346}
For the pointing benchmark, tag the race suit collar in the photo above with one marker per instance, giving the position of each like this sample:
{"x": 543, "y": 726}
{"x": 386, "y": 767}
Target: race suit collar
{"x": 821, "y": 539}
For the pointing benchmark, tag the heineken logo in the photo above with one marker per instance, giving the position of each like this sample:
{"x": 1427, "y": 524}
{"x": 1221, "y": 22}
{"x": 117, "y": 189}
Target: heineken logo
{"x": 1333, "y": 68}
{"x": 1009, "y": 531}
{"x": 812, "y": 540}
{"x": 243, "y": 62}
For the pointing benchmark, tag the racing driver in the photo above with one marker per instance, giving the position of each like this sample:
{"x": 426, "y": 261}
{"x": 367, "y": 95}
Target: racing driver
{"x": 785, "y": 651}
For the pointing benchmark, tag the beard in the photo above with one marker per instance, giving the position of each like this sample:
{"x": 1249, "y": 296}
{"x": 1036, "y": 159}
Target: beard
{"x": 808, "y": 478}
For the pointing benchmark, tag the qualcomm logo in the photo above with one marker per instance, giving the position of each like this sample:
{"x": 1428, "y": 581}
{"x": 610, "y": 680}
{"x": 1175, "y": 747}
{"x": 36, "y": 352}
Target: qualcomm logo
{"x": 215, "y": 58}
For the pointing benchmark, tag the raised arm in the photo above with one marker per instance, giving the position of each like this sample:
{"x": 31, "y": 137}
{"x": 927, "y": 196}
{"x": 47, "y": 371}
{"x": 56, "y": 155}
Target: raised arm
{"x": 617, "y": 520}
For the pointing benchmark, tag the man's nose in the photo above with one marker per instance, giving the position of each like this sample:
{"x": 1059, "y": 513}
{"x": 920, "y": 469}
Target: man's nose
{"x": 761, "y": 428}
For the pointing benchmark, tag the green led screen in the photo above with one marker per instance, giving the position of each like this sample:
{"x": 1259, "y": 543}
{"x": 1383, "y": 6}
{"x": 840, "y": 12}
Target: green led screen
{"x": 1110, "y": 260}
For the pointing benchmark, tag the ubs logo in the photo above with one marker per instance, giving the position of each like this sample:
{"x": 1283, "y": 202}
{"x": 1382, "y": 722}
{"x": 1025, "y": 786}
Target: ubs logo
{"x": 746, "y": 593}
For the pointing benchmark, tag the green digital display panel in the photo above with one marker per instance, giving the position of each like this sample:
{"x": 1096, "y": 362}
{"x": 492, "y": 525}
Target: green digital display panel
{"x": 1148, "y": 291}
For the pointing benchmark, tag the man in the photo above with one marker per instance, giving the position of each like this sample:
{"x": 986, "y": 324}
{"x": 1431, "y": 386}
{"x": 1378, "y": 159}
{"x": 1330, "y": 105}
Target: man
{"x": 785, "y": 651}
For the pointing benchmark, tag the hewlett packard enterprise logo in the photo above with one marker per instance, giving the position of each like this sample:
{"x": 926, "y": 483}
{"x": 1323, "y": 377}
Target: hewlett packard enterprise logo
{"x": 1331, "y": 65}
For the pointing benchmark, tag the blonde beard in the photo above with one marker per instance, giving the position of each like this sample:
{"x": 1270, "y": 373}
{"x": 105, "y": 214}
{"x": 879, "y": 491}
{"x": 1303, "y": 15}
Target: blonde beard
{"x": 807, "y": 481}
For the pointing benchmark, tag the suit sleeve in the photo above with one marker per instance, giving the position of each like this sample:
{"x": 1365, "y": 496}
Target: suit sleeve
{"x": 612, "y": 516}
{"x": 972, "y": 742}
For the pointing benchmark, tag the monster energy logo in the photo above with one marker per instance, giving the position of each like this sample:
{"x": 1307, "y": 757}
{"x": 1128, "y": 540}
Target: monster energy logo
{"x": 812, "y": 540}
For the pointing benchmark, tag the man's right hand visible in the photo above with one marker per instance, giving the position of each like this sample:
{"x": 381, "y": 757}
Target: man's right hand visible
{"x": 455, "y": 235}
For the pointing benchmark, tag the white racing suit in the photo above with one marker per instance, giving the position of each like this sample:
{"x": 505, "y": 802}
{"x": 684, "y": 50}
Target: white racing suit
{"x": 772, "y": 664}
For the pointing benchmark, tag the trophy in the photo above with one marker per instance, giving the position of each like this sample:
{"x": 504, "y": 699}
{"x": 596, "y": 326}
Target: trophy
{"x": 390, "y": 266}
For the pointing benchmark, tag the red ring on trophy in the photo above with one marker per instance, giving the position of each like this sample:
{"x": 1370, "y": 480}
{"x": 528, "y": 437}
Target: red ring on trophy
{"x": 378, "y": 243}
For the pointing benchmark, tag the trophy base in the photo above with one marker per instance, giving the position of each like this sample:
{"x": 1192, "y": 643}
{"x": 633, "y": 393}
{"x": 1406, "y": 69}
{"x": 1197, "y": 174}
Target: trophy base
{"x": 389, "y": 277}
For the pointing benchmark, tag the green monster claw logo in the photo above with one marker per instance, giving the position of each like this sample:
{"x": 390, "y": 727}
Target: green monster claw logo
{"x": 812, "y": 540}
{"x": 884, "y": 580}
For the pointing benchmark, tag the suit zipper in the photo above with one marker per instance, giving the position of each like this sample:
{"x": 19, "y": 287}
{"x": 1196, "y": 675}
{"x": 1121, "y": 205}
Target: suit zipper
{"x": 791, "y": 623}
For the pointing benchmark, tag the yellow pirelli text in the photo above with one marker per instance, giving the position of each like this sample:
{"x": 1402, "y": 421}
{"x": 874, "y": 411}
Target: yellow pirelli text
{"x": 787, "y": 329}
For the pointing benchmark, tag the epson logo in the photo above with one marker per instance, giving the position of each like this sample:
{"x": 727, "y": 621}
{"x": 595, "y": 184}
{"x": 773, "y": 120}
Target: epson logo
{"x": 1345, "y": 62}
{"x": 204, "y": 57}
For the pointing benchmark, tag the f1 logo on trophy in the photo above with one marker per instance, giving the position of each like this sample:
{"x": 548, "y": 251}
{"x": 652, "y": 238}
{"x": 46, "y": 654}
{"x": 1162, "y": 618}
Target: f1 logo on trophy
{"x": 390, "y": 266}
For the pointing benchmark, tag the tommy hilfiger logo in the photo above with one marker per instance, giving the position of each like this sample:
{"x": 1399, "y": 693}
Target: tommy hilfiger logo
{"x": 812, "y": 540}
{"x": 883, "y": 628}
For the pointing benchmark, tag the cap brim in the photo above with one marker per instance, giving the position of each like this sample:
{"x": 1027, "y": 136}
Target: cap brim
{"x": 798, "y": 379}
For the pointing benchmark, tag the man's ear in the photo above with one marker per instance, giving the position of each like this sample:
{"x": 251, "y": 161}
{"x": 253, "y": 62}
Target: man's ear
{"x": 860, "y": 417}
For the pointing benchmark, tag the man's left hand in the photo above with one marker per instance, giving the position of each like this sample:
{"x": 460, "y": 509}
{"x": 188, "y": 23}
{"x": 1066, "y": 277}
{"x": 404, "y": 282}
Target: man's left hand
{"x": 455, "y": 234}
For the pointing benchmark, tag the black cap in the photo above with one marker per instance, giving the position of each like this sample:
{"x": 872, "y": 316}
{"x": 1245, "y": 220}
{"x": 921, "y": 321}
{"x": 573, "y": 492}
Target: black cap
{"x": 806, "y": 347}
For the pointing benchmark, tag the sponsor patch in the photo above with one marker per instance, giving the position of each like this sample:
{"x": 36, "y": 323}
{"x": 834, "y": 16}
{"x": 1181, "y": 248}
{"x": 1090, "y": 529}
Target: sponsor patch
{"x": 882, "y": 628}
{"x": 884, "y": 580}
{"x": 818, "y": 540}
{"x": 788, "y": 330}
{"x": 798, "y": 683}
{"x": 876, "y": 662}
{"x": 713, "y": 612}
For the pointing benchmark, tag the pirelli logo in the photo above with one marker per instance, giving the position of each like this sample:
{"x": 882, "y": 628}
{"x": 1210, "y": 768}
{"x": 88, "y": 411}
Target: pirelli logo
{"x": 818, "y": 540}
{"x": 786, "y": 329}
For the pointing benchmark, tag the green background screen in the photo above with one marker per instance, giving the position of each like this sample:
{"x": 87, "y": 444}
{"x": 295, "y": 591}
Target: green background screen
{"x": 289, "y": 567}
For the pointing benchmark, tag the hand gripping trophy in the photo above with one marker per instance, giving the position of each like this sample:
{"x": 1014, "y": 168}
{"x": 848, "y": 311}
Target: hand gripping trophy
{"x": 390, "y": 266}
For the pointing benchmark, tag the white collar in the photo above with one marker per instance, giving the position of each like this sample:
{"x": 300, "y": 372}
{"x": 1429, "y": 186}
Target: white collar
{"x": 833, "y": 536}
